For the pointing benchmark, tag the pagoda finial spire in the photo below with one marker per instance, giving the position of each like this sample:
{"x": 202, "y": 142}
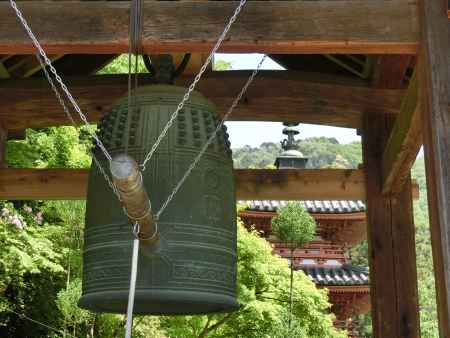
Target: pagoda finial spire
{"x": 290, "y": 157}
{"x": 290, "y": 131}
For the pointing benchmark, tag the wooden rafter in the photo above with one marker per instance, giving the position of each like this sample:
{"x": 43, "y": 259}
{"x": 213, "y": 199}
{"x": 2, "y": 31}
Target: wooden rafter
{"x": 80, "y": 64}
{"x": 28, "y": 65}
{"x": 251, "y": 184}
{"x": 174, "y": 26}
{"x": 273, "y": 96}
{"x": 4, "y": 74}
{"x": 404, "y": 142}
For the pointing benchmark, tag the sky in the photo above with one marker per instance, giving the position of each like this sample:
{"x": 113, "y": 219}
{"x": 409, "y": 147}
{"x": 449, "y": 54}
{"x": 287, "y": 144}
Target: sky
{"x": 255, "y": 133}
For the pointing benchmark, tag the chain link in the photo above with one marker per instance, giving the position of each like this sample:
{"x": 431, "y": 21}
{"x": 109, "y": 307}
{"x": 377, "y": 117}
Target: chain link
{"x": 57, "y": 77}
{"x": 211, "y": 138}
{"x": 193, "y": 84}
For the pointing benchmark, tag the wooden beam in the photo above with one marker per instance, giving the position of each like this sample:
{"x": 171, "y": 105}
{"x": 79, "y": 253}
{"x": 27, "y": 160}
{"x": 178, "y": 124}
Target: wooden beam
{"x": 16, "y": 184}
{"x": 251, "y": 184}
{"x": 404, "y": 142}
{"x": 390, "y": 233}
{"x": 273, "y": 96}
{"x": 322, "y": 27}
{"x": 434, "y": 81}
{"x": 390, "y": 71}
{"x": 292, "y": 184}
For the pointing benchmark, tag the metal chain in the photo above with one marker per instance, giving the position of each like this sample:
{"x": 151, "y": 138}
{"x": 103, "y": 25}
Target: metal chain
{"x": 172, "y": 118}
{"x": 57, "y": 77}
{"x": 210, "y": 139}
{"x": 69, "y": 116}
{"x": 55, "y": 90}
{"x": 193, "y": 84}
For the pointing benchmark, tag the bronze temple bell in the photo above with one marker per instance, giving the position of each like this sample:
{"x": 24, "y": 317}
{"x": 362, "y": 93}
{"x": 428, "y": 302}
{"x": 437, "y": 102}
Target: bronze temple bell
{"x": 193, "y": 268}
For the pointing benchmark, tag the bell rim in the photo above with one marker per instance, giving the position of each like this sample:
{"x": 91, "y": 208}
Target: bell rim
{"x": 203, "y": 302}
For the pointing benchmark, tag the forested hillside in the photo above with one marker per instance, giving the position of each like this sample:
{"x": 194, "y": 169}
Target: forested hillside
{"x": 322, "y": 152}
{"x": 328, "y": 153}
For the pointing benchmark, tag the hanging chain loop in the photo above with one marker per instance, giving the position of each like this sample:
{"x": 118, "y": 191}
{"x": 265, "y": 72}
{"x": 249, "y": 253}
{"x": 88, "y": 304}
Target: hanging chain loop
{"x": 70, "y": 117}
{"x": 57, "y": 77}
{"x": 211, "y": 138}
{"x": 193, "y": 84}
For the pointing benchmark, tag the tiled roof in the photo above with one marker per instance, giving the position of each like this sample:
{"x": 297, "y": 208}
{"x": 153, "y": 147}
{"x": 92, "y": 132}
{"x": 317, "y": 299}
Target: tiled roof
{"x": 319, "y": 207}
{"x": 337, "y": 275}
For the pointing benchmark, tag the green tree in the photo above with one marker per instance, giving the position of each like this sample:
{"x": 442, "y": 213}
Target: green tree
{"x": 263, "y": 279}
{"x": 294, "y": 226}
{"x": 222, "y": 65}
{"x": 30, "y": 263}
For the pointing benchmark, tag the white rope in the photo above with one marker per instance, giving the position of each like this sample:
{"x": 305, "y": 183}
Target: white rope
{"x": 193, "y": 84}
{"x": 133, "y": 277}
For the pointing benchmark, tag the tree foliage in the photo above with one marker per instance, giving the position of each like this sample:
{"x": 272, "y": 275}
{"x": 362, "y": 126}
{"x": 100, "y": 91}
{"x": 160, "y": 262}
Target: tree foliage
{"x": 294, "y": 225}
{"x": 263, "y": 280}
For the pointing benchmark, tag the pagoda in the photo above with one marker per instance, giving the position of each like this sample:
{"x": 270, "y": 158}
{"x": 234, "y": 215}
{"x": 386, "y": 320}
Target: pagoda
{"x": 340, "y": 226}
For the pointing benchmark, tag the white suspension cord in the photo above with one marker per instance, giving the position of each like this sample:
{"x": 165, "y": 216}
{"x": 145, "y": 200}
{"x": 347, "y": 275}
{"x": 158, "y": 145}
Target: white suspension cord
{"x": 193, "y": 84}
{"x": 57, "y": 77}
{"x": 133, "y": 277}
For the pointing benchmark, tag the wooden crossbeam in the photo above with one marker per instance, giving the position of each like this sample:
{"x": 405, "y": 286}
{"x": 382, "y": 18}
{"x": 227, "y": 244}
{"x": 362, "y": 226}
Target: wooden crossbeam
{"x": 96, "y": 27}
{"x": 251, "y": 184}
{"x": 404, "y": 142}
{"x": 273, "y": 96}
{"x": 291, "y": 184}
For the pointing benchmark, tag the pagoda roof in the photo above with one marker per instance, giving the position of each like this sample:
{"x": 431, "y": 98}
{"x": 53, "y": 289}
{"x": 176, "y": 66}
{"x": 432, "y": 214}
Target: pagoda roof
{"x": 344, "y": 275}
{"x": 314, "y": 207}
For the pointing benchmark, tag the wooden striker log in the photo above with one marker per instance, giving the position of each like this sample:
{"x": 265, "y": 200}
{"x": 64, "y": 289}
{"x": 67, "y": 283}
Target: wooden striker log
{"x": 128, "y": 179}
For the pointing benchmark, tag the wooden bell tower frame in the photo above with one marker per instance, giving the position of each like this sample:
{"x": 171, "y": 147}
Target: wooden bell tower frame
{"x": 393, "y": 122}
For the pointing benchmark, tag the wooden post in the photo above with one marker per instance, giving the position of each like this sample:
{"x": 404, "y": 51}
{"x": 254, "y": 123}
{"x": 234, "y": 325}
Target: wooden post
{"x": 3, "y": 144}
{"x": 128, "y": 179}
{"x": 390, "y": 234}
{"x": 434, "y": 80}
